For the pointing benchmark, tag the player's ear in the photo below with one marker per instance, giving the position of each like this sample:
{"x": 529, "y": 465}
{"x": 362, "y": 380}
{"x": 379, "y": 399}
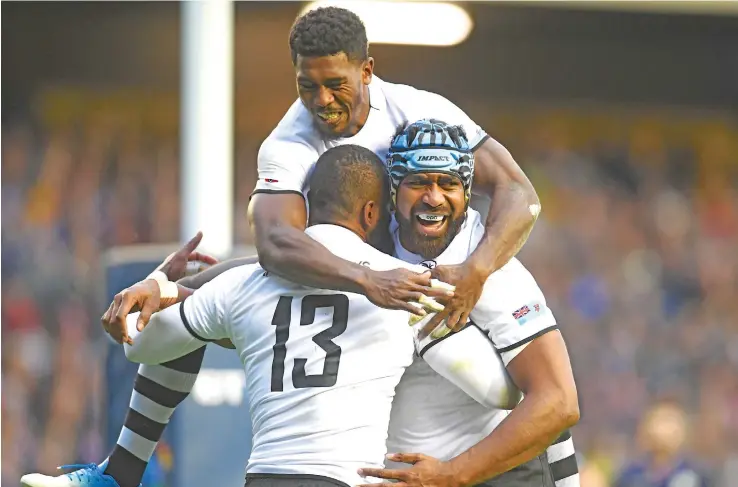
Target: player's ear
{"x": 367, "y": 70}
{"x": 370, "y": 215}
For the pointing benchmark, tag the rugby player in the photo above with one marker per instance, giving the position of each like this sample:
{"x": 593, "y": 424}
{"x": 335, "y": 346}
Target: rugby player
{"x": 431, "y": 174}
{"x": 308, "y": 427}
{"x": 432, "y": 171}
{"x": 340, "y": 102}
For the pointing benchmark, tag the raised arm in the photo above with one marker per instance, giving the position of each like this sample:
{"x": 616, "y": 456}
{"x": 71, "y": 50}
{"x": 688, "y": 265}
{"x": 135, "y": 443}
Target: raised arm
{"x": 513, "y": 211}
{"x": 278, "y": 223}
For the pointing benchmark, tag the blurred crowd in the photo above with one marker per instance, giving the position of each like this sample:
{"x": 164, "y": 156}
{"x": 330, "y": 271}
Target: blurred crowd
{"x": 636, "y": 250}
{"x": 637, "y": 253}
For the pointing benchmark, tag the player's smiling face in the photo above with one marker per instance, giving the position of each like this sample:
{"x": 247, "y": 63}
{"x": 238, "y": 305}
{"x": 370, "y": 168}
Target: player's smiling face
{"x": 430, "y": 209}
{"x": 335, "y": 91}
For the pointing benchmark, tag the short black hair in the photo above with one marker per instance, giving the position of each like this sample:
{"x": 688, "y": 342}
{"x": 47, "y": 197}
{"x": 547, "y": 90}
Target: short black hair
{"x": 344, "y": 179}
{"x": 327, "y": 31}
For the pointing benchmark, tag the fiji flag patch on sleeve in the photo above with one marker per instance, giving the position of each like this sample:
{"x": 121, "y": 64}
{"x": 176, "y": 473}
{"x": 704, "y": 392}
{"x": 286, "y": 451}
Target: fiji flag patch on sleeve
{"x": 528, "y": 312}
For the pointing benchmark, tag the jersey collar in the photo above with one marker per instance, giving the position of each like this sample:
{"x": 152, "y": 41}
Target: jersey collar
{"x": 377, "y": 102}
{"x": 333, "y": 237}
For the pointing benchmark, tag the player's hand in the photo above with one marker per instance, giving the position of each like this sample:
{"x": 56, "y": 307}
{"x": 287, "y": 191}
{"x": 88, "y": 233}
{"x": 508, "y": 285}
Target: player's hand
{"x": 469, "y": 285}
{"x": 398, "y": 288}
{"x": 425, "y": 472}
{"x": 144, "y": 296}
{"x": 175, "y": 265}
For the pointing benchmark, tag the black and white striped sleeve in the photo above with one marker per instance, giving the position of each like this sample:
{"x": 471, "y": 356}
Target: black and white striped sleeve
{"x": 563, "y": 461}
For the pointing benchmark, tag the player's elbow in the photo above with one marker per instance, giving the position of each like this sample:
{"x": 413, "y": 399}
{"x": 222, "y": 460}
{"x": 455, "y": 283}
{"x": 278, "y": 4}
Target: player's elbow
{"x": 558, "y": 405}
{"x": 529, "y": 199}
{"x": 271, "y": 249}
{"x": 565, "y": 404}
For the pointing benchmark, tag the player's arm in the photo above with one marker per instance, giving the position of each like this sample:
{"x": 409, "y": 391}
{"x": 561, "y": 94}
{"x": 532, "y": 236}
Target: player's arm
{"x": 513, "y": 209}
{"x": 183, "y": 328}
{"x": 149, "y": 296}
{"x": 278, "y": 223}
{"x": 549, "y": 406}
{"x": 196, "y": 281}
{"x": 541, "y": 370}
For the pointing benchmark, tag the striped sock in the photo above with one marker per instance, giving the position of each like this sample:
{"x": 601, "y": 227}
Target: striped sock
{"x": 562, "y": 458}
{"x": 157, "y": 391}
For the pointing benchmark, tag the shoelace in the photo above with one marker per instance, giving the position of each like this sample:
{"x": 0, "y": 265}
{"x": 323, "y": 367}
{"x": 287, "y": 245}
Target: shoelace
{"x": 83, "y": 472}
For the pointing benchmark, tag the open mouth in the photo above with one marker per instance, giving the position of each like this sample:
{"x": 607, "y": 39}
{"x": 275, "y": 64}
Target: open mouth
{"x": 330, "y": 118}
{"x": 431, "y": 222}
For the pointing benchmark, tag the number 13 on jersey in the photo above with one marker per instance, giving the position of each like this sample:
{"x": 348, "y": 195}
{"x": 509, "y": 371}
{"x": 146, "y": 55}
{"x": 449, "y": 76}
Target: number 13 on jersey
{"x": 282, "y": 319}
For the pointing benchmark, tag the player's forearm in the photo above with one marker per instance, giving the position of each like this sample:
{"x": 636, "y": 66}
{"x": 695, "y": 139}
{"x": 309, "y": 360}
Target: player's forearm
{"x": 293, "y": 255}
{"x": 529, "y": 429}
{"x": 183, "y": 292}
{"x": 166, "y": 301}
{"x": 198, "y": 280}
{"x": 512, "y": 214}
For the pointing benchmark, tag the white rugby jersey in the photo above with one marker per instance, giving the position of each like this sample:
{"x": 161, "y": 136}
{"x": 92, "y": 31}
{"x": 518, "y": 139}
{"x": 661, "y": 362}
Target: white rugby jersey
{"x": 288, "y": 155}
{"x": 430, "y": 414}
{"x": 321, "y": 366}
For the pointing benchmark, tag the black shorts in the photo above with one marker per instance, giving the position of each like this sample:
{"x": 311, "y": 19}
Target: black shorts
{"x": 535, "y": 473}
{"x": 290, "y": 480}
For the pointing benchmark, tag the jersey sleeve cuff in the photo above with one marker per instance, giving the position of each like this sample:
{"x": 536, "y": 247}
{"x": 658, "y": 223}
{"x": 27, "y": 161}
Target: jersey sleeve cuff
{"x": 276, "y": 191}
{"x": 187, "y": 325}
{"x": 428, "y": 343}
{"x": 528, "y": 339}
{"x": 484, "y": 139}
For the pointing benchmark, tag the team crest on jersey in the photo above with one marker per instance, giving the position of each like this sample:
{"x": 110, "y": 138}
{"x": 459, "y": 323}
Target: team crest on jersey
{"x": 430, "y": 264}
{"x": 528, "y": 312}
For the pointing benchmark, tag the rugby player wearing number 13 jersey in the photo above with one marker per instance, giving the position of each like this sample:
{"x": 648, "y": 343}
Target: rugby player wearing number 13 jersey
{"x": 340, "y": 102}
{"x": 321, "y": 367}
{"x": 330, "y": 417}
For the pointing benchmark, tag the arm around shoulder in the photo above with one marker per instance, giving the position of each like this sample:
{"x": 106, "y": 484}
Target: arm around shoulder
{"x": 550, "y": 405}
{"x": 278, "y": 223}
{"x": 513, "y": 210}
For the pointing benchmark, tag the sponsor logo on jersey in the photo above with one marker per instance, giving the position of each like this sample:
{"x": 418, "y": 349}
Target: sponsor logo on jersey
{"x": 430, "y": 264}
{"x": 434, "y": 158}
{"x": 365, "y": 263}
{"x": 528, "y": 312}
{"x": 268, "y": 180}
